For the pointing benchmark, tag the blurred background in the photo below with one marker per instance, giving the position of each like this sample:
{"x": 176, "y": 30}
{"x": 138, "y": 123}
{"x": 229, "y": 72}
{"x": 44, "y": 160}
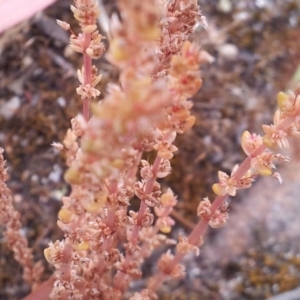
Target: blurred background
{"x": 255, "y": 44}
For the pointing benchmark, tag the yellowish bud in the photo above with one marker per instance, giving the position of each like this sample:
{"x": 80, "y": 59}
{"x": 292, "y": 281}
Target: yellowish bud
{"x": 282, "y": 98}
{"x": 72, "y": 176}
{"x": 268, "y": 142}
{"x": 264, "y": 171}
{"x": 65, "y": 215}
{"x": 165, "y": 229}
{"x": 246, "y": 134}
{"x": 218, "y": 190}
{"x": 47, "y": 254}
{"x": 93, "y": 207}
{"x": 89, "y": 52}
{"x": 101, "y": 198}
{"x": 166, "y": 198}
{"x": 82, "y": 246}
{"x": 190, "y": 121}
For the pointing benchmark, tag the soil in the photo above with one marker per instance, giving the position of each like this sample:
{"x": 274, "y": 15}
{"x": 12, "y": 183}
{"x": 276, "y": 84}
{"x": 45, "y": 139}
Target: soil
{"x": 256, "y": 49}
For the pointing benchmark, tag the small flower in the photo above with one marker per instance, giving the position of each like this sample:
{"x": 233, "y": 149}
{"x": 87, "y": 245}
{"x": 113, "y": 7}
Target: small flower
{"x": 85, "y": 12}
{"x": 87, "y": 91}
{"x": 180, "y": 116}
{"x": 203, "y": 210}
{"x": 165, "y": 224}
{"x": 152, "y": 200}
{"x": 164, "y": 168}
{"x": 146, "y": 170}
{"x": 131, "y": 268}
{"x": 218, "y": 219}
{"x": 54, "y": 253}
{"x": 229, "y": 185}
{"x": 168, "y": 198}
{"x": 147, "y": 219}
{"x": 165, "y": 265}
{"x": 264, "y": 163}
{"x": 289, "y": 105}
{"x": 95, "y": 49}
{"x": 275, "y": 136}
{"x": 185, "y": 247}
{"x": 193, "y": 56}
{"x": 250, "y": 142}
{"x": 78, "y": 125}
{"x": 70, "y": 141}
{"x": 139, "y": 187}
{"x": 164, "y": 146}
{"x": 77, "y": 43}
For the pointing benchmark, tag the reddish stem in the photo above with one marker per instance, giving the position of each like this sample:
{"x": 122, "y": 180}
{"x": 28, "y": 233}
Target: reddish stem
{"x": 143, "y": 206}
{"x": 119, "y": 277}
{"x": 87, "y": 66}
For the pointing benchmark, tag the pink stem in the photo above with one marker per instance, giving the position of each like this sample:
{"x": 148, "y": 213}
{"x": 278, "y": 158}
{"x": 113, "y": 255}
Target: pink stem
{"x": 87, "y": 66}
{"x": 119, "y": 277}
{"x": 110, "y": 220}
{"x": 143, "y": 206}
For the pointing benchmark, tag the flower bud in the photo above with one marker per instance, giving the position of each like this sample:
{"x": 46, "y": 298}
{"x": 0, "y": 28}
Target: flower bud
{"x": 72, "y": 176}
{"x": 218, "y": 190}
{"x": 89, "y": 28}
{"x": 282, "y": 99}
{"x": 65, "y": 215}
{"x": 268, "y": 142}
{"x": 189, "y": 123}
{"x": 81, "y": 246}
{"x": 47, "y": 254}
{"x": 165, "y": 229}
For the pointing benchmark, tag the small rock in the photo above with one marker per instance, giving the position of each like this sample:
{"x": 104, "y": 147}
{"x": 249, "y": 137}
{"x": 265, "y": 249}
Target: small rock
{"x": 8, "y": 108}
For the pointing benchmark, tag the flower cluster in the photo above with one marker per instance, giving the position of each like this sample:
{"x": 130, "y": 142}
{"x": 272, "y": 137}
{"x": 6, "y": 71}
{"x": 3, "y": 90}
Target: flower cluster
{"x": 89, "y": 44}
{"x": 215, "y": 219}
{"x": 143, "y": 112}
{"x": 260, "y": 161}
{"x": 229, "y": 184}
{"x": 13, "y": 236}
{"x": 260, "y": 149}
{"x": 104, "y": 153}
{"x": 179, "y": 19}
